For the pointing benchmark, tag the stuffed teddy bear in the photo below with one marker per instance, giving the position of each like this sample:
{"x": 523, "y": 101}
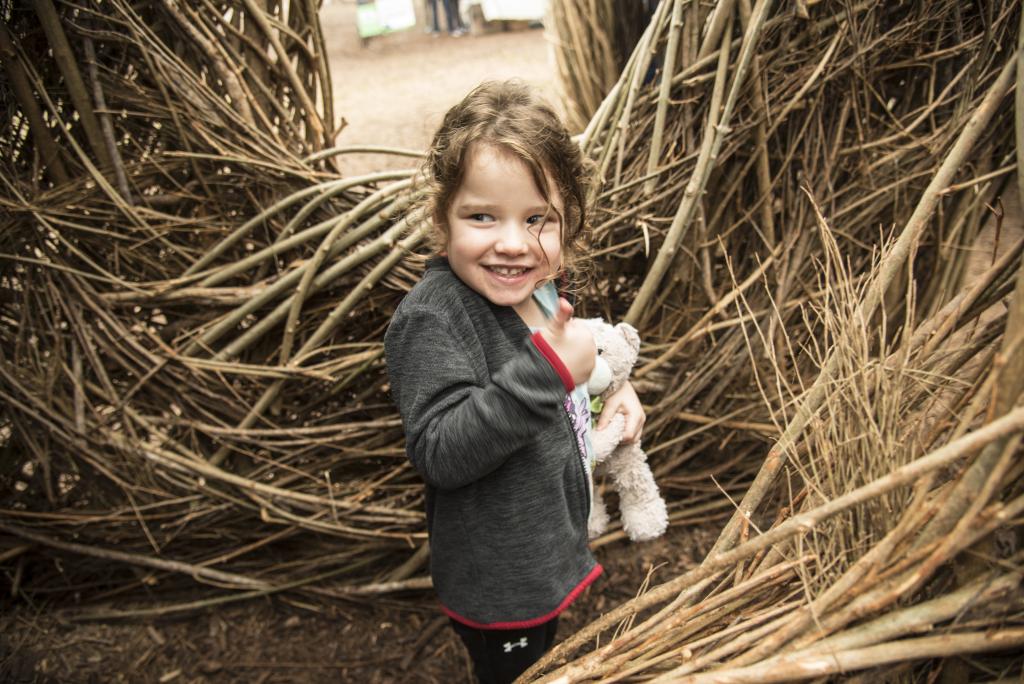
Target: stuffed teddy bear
{"x": 643, "y": 511}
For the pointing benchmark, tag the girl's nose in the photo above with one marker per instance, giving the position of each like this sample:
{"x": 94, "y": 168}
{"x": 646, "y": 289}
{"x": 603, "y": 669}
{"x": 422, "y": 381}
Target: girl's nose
{"x": 512, "y": 240}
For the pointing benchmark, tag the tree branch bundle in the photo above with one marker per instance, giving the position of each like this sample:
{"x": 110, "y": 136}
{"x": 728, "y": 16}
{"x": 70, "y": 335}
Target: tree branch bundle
{"x": 853, "y": 273}
{"x": 810, "y": 209}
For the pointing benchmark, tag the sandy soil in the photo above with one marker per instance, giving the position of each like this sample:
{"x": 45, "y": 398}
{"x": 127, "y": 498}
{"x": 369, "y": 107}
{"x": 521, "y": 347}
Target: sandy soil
{"x": 395, "y": 90}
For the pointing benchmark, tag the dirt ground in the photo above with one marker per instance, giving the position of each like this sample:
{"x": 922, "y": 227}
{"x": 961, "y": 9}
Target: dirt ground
{"x": 281, "y": 639}
{"x": 395, "y": 90}
{"x": 392, "y": 91}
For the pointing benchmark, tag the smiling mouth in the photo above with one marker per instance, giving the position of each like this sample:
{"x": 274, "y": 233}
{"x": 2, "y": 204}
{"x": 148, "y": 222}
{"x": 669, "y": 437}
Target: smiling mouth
{"x": 508, "y": 271}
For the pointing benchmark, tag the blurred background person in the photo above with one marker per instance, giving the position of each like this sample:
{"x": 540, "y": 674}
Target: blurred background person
{"x": 452, "y": 18}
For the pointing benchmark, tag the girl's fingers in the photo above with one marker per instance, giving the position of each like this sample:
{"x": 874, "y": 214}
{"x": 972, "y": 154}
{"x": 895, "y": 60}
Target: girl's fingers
{"x": 633, "y": 424}
{"x": 563, "y": 312}
{"x": 629, "y": 432}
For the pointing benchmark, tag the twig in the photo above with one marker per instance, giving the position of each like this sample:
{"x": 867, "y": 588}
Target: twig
{"x": 196, "y": 571}
{"x": 710, "y": 146}
{"x": 788, "y": 668}
{"x": 665, "y": 89}
{"x": 23, "y": 92}
{"x": 308, "y": 108}
{"x": 68, "y": 64}
{"x": 105, "y": 123}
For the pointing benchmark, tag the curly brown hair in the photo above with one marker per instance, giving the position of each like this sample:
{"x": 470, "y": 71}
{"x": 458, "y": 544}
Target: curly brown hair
{"x": 510, "y": 115}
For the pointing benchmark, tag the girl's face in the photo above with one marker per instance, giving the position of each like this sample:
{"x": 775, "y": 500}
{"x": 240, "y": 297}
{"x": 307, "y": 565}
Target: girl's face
{"x": 502, "y": 238}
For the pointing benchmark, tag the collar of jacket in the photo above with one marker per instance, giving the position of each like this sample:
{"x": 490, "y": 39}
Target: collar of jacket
{"x": 511, "y": 324}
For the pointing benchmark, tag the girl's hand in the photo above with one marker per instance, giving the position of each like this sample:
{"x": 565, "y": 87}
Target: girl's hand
{"x": 625, "y": 401}
{"x": 572, "y": 341}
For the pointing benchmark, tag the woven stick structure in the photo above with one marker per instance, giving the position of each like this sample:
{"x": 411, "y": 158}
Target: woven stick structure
{"x": 193, "y": 302}
{"x": 808, "y": 209}
{"x": 807, "y": 222}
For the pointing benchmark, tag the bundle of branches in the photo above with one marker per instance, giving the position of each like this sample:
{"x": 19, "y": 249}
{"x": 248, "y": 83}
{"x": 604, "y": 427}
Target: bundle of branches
{"x": 890, "y": 539}
{"x": 706, "y": 171}
{"x": 886, "y": 380}
{"x": 188, "y": 384}
{"x": 592, "y": 42}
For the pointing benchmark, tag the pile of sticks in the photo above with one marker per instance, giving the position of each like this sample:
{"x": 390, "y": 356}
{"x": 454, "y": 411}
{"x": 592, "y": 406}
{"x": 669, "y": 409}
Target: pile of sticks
{"x": 591, "y": 43}
{"x": 808, "y": 210}
{"x": 193, "y": 301}
{"x": 818, "y": 211}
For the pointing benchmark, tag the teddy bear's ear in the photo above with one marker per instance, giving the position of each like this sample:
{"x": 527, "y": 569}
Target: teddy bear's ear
{"x": 631, "y": 335}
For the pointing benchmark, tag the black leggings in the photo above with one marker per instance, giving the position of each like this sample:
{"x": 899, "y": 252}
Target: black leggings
{"x": 501, "y": 655}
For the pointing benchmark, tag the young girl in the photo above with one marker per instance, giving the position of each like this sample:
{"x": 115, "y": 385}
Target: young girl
{"x": 487, "y": 367}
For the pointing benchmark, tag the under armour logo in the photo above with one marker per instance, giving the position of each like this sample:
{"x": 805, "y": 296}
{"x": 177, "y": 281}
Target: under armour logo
{"x": 509, "y": 645}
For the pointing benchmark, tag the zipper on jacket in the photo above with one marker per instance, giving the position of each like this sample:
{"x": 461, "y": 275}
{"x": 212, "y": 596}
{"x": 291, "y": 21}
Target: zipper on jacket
{"x": 582, "y": 468}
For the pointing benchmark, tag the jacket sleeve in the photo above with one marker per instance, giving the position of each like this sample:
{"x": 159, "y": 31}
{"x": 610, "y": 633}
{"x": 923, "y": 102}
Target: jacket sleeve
{"x": 456, "y": 429}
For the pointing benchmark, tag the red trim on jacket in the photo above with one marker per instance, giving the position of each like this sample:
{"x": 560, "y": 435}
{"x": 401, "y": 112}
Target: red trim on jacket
{"x": 548, "y": 353}
{"x": 527, "y": 624}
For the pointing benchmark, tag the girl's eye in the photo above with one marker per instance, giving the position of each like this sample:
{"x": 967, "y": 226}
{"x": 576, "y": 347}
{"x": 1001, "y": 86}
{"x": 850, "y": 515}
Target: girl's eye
{"x": 481, "y": 218}
{"x": 535, "y": 220}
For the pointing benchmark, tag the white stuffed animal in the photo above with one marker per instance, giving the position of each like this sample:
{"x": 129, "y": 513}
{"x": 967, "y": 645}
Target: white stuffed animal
{"x": 643, "y": 510}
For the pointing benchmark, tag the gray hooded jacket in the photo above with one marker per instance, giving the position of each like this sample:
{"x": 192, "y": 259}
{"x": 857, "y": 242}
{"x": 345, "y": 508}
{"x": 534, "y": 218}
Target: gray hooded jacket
{"x": 485, "y": 425}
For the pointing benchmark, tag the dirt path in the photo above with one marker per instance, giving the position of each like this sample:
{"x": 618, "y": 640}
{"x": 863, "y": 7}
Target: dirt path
{"x": 395, "y": 90}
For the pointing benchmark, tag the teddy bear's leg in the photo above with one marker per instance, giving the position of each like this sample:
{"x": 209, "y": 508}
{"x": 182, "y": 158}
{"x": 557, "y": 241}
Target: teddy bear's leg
{"x": 598, "y": 521}
{"x": 644, "y": 515}
{"x": 604, "y": 441}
